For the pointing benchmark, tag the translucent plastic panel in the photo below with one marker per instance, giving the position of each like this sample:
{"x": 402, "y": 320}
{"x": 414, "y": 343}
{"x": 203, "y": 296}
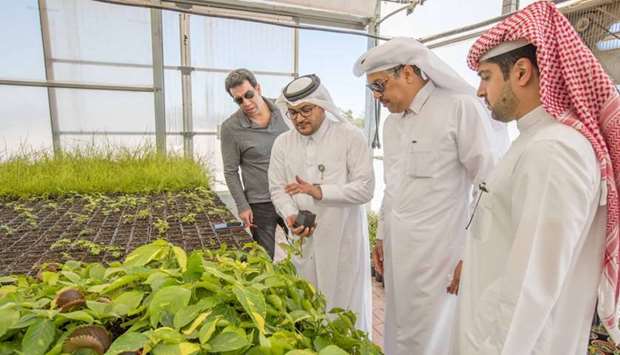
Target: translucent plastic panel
{"x": 96, "y": 110}
{"x": 25, "y": 120}
{"x": 331, "y": 57}
{"x": 207, "y": 149}
{"x": 172, "y": 46}
{"x": 108, "y": 142}
{"x": 104, "y": 74}
{"x": 437, "y": 16}
{"x": 229, "y": 44}
{"x": 20, "y": 41}
{"x": 212, "y": 105}
{"x": 174, "y": 101}
{"x": 455, "y": 56}
{"x": 174, "y": 144}
{"x": 90, "y": 31}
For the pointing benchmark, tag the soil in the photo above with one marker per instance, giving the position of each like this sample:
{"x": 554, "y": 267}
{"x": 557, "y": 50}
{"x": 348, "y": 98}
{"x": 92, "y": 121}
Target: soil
{"x": 29, "y": 228}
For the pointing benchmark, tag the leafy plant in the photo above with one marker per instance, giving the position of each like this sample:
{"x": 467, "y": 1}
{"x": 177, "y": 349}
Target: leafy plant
{"x": 6, "y": 229}
{"x": 373, "y": 221}
{"x": 161, "y": 300}
{"x": 90, "y": 170}
{"x": 161, "y": 225}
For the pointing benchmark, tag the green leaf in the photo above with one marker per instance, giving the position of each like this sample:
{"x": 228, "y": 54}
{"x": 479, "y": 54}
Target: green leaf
{"x": 299, "y": 315}
{"x": 144, "y": 254}
{"x": 50, "y": 278}
{"x": 194, "y": 266}
{"x": 38, "y": 337}
{"x": 181, "y": 257}
{"x": 8, "y": 318}
{"x": 71, "y": 276}
{"x": 168, "y": 335}
{"x": 301, "y": 352}
{"x": 169, "y": 299}
{"x": 227, "y": 341}
{"x": 128, "y": 342}
{"x": 176, "y": 349}
{"x": 332, "y": 350}
{"x": 78, "y": 315}
{"x": 206, "y": 332}
{"x": 127, "y": 302}
{"x": 96, "y": 272}
{"x": 253, "y": 302}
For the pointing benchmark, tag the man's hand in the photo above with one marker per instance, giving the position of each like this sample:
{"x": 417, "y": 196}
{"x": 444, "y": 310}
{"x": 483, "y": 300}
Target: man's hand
{"x": 377, "y": 257}
{"x": 301, "y": 186}
{"x": 247, "y": 217}
{"x": 453, "y": 288}
{"x": 300, "y": 231}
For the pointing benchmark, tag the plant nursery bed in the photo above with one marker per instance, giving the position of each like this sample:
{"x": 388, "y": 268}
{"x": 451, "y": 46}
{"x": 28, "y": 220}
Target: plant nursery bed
{"x": 105, "y": 227}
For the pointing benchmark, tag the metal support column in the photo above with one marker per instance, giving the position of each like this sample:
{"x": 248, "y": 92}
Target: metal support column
{"x": 509, "y": 6}
{"x": 186, "y": 86}
{"x": 49, "y": 75}
{"x": 158, "y": 80}
{"x": 296, "y": 50}
{"x": 372, "y": 113}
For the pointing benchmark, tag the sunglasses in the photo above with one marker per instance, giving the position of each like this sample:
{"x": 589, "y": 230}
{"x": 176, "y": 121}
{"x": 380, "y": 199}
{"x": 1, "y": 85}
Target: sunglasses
{"x": 379, "y": 85}
{"x": 248, "y": 95}
{"x": 304, "y": 112}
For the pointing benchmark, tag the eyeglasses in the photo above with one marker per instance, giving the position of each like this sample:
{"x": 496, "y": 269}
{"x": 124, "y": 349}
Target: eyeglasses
{"x": 248, "y": 95}
{"x": 305, "y": 112}
{"x": 378, "y": 86}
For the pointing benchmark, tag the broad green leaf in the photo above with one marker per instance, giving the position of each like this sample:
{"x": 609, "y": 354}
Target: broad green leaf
{"x": 198, "y": 321}
{"x": 253, "y": 302}
{"x": 168, "y": 335}
{"x": 301, "y": 352}
{"x": 186, "y": 315}
{"x": 8, "y": 318}
{"x": 207, "y": 331}
{"x": 71, "y": 276}
{"x": 127, "y": 342}
{"x": 181, "y": 257}
{"x": 49, "y": 277}
{"x": 176, "y": 349}
{"x": 38, "y": 337}
{"x": 332, "y": 350}
{"x": 195, "y": 268}
{"x": 227, "y": 341}
{"x": 298, "y": 316}
{"x": 96, "y": 272}
{"x": 100, "y": 309}
{"x": 127, "y": 302}
{"x": 169, "y": 299}
{"x": 219, "y": 274}
{"x": 144, "y": 254}
{"x": 78, "y": 315}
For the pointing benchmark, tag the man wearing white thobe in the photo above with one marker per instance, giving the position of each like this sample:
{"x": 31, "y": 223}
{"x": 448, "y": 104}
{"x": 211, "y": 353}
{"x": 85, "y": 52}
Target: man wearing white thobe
{"x": 324, "y": 166}
{"x": 533, "y": 262}
{"x": 436, "y": 145}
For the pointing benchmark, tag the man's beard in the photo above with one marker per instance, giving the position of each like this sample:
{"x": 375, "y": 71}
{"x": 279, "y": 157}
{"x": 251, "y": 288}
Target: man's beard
{"x": 504, "y": 108}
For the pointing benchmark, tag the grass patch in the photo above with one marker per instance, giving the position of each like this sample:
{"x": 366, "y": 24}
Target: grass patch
{"x": 97, "y": 170}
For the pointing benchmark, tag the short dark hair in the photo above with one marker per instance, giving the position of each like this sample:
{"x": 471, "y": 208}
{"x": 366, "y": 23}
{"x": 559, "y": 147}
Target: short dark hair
{"x": 507, "y": 60}
{"x": 237, "y": 77}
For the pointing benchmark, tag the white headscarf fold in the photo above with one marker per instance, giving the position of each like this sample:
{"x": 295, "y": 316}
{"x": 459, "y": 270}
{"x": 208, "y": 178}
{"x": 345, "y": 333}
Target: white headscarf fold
{"x": 403, "y": 50}
{"x": 320, "y": 97}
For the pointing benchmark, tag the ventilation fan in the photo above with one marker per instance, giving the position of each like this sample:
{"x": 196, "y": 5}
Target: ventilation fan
{"x": 598, "y": 24}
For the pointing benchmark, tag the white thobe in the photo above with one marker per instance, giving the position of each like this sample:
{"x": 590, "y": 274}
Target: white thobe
{"x": 533, "y": 261}
{"x": 432, "y": 155}
{"x": 336, "y": 258}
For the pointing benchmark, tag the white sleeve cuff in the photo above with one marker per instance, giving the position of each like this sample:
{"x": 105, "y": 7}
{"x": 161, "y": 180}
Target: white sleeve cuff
{"x": 331, "y": 193}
